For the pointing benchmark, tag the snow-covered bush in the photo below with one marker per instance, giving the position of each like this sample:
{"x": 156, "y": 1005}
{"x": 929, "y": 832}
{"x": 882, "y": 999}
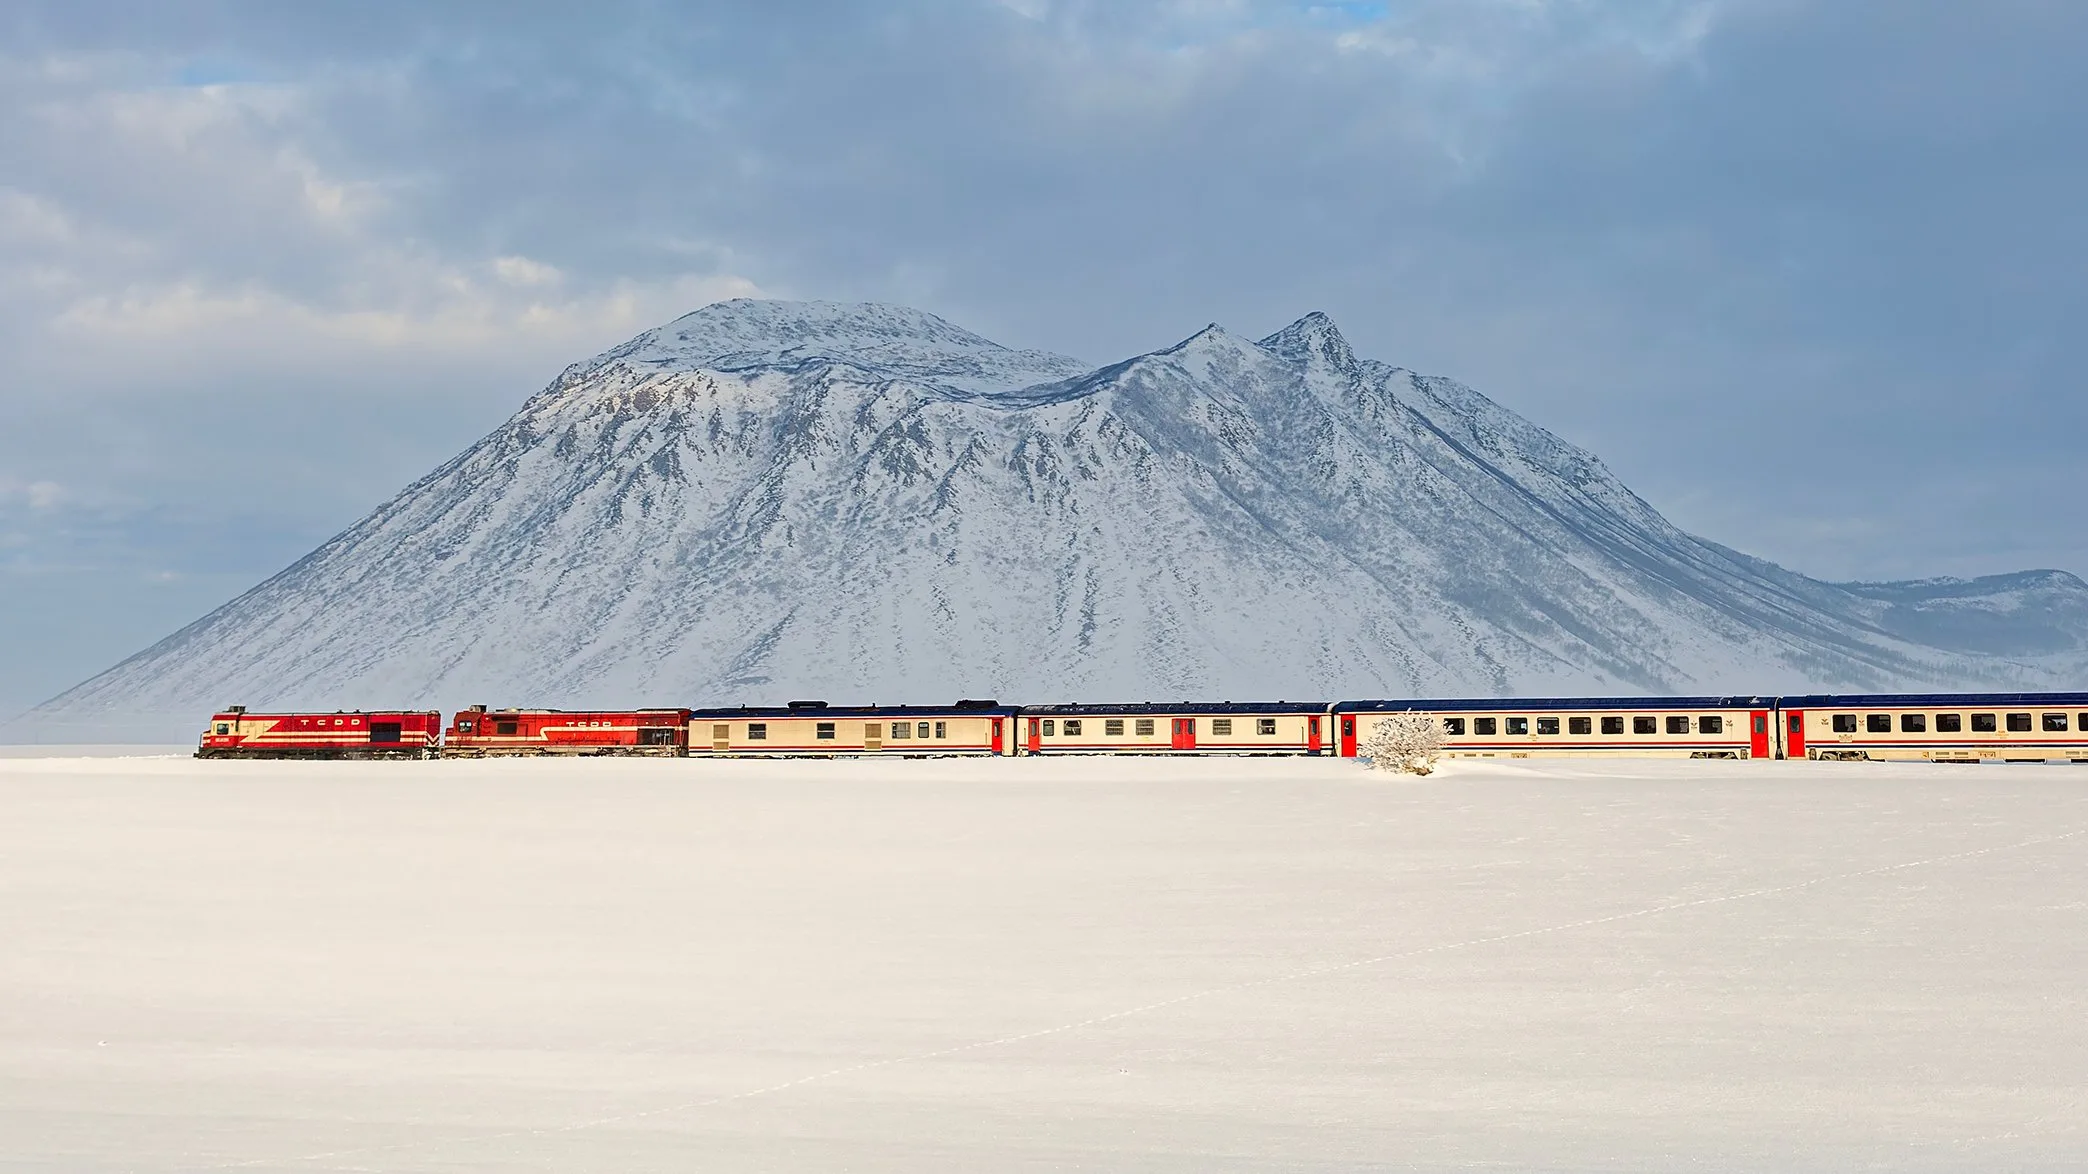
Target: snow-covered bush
{"x": 1404, "y": 741}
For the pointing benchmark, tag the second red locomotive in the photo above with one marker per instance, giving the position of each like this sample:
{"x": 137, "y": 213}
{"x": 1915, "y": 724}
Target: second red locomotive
{"x": 482, "y": 733}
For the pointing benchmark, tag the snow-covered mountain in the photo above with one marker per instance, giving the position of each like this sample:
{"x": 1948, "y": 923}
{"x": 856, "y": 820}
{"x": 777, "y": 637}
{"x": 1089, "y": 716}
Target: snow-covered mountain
{"x": 773, "y": 500}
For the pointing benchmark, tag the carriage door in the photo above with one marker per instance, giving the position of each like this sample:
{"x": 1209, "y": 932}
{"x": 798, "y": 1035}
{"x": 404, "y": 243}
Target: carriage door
{"x": 1185, "y": 733}
{"x": 1758, "y": 734}
{"x": 1312, "y": 734}
{"x": 1348, "y": 735}
{"x": 997, "y": 736}
{"x": 1036, "y": 737}
{"x": 1794, "y": 734}
{"x": 873, "y": 735}
{"x": 387, "y": 732}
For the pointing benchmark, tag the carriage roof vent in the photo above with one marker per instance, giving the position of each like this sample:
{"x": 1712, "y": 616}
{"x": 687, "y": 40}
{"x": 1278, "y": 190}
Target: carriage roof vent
{"x": 978, "y": 703}
{"x": 808, "y": 705}
{"x": 235, "y": 709}
{"x": 478, "y": 709}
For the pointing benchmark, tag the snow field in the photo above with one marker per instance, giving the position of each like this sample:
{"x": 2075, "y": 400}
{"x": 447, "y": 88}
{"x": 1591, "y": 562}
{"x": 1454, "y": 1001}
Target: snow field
{"x": 1248, "y": 964}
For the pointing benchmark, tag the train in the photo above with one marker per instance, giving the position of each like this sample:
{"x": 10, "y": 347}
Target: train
{"x": 1913, "y": 727}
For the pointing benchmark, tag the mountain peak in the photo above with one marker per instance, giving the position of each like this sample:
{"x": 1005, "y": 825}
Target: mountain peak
{"x": 881, "y": 340}
{"x": 1312, "y": 341}
{"x": 1210, "y": 334}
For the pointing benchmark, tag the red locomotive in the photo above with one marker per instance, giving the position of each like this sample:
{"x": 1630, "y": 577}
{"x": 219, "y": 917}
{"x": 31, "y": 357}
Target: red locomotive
{"x": 235, "y": 733}
{"x": 480, "y": 733}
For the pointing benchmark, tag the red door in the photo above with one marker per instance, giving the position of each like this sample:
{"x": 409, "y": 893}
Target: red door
{"x": 1794, "y": 734}
{"x": 1758, "y": 734}
{"x": 997, "y": 736}
{"x": 1312, "y": 735}
{"x": 1036, "y": 736}
{"x": 1348, "y": 735}
{"x": 1185, "y": 733}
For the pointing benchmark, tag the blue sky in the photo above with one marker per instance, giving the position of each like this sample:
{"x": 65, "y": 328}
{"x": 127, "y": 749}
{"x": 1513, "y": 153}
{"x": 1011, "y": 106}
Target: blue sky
{"x": 1805, "y": 274}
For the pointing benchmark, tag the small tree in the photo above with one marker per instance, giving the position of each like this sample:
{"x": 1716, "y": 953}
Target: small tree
{"x": 1406, "y": 741}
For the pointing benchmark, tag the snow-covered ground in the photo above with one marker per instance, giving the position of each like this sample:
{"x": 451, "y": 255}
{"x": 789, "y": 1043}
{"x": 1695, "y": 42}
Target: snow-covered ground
{"x": 1029, "y": 965}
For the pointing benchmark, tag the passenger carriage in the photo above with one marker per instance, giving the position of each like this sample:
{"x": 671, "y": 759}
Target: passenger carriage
{"x": 236, "y": 733}
{"x": 1939, "y": 727}
{"x": 482, "y": 733}
{"x": 1638, "y": 727}
{"x": 816, "y": 729}
{"x": 1280, "y": 727}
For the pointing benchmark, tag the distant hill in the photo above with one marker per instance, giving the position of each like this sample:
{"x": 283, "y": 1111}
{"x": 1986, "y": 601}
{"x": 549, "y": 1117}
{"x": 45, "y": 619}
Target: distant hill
{"x": 771, "y": 500}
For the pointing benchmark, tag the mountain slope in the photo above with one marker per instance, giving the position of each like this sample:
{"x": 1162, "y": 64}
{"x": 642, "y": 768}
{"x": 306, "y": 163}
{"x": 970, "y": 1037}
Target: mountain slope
{"x": 765, "y": 500}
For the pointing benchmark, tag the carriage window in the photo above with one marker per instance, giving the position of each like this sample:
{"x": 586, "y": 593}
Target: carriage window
{"x": 942, "y": 729}
{"x": 1613, "y": 725}
{"x": 1913, "y": 723}
{"x": 824, "y": 731}
{"x": 1453, "y": 725}
{"x": 757, "y": 731}
{"x": 1983, "y": 723}
{"x": 1072, "y": 728}
{"x": 1518, "y": 725}
{"x": 1266, "y": 726}
{"x": 504, "y": 729}
{"x": 1114, "y": 727}
{"x": 1482, "y": 725}
{"x": 902, "y": 729}
{"x": 2018, "y": 723}
{"x": 1580, "y": 725}
{"x": 1644, "y": 725}
{"x": 1844, "y": 723}
{"x": 921, "y": 731}
{"x": 1678, "y": 724}
{"x": 1877, "y": 723}
{"x": 2055, "y": 723}
{"x": 226, "y": 729}
{"x": 1711, "y": 723}
{"x": 1221, "y": 725}
{"x": 1050, "y": 728}
{"x": 1949, "y": 723}
{"x": 1547, "y": 725}
{"x": 1143, "y": 727}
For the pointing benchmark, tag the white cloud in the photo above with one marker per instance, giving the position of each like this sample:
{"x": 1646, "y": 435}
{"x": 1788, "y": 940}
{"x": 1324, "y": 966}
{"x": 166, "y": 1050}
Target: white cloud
{"x": 523, "y": 271}
{"x": 219, "y": 231}
{"x": 29, "y": 220}
{"x": 39, "y": 495}
{"x": 433, "y": 307}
